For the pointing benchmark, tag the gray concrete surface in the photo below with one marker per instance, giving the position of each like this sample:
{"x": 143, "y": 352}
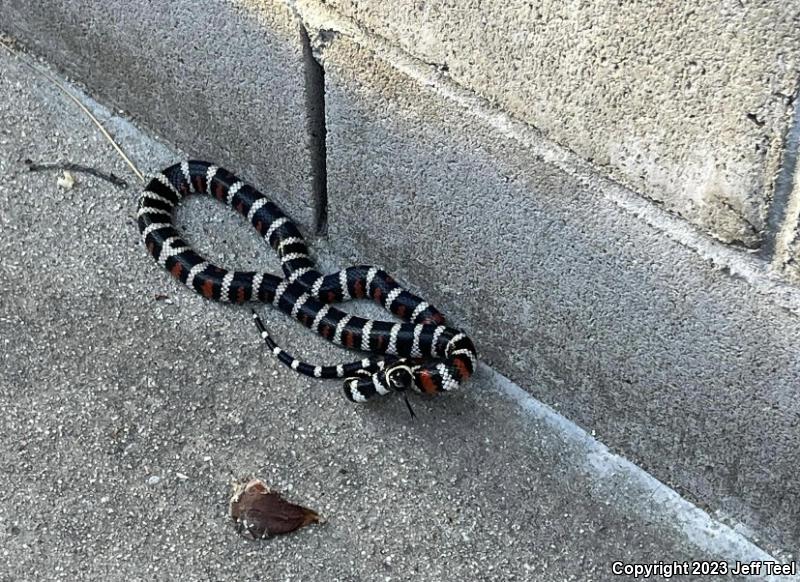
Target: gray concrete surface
{"x": 686, "y": 367}
{"x": 223, "y": 83}
{"x": 685, "y": 103}
{"x": 124, "y": 417}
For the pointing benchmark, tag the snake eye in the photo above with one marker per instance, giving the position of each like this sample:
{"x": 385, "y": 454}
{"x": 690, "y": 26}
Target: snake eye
{"x": 399, "y": 378}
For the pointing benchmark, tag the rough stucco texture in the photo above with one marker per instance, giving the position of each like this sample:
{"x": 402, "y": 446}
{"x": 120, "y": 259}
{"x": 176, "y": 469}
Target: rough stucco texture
{"x": 223, "y": 83}
{"x": 686, "y": 103}
{"x": 686, "y": 370}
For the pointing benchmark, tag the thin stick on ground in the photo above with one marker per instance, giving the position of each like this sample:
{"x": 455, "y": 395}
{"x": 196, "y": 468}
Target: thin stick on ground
{"x": 69, "y": 166}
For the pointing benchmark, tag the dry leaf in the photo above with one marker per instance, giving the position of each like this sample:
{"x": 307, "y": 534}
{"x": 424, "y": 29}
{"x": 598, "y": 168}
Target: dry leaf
{"x": 259, "y": 513}
{"x": 67, "y": 181}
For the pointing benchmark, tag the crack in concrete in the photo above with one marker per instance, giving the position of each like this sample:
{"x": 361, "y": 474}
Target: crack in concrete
{"x": 317, "y": 131}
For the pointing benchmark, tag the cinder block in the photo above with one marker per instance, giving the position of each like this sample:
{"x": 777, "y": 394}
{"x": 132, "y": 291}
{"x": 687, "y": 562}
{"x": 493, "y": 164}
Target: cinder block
{"x": 686, "y": 369}
{"x": 686, "y": 103}
{"x": 223, "y": 82}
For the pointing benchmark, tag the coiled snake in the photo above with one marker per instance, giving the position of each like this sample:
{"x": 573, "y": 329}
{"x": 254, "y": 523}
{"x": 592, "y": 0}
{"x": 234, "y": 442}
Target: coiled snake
{"x": 422, "y": 354}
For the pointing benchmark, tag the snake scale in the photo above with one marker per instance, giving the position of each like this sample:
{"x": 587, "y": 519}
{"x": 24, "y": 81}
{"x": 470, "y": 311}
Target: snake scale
{"x": 422, "y": 354}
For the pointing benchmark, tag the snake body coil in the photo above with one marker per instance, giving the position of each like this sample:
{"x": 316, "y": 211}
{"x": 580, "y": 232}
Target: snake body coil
{"x": 422, "y": 354}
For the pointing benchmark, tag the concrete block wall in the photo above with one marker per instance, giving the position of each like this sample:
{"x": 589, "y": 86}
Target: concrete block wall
{"x": 685, "y": 103}
{"x": 587, "y": 227}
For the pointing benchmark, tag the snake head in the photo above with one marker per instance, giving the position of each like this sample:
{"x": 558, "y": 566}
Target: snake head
{"x": 399, "y": 376}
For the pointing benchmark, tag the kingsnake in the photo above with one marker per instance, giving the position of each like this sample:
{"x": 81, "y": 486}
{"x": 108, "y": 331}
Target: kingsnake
{"x": 422, "y": 354}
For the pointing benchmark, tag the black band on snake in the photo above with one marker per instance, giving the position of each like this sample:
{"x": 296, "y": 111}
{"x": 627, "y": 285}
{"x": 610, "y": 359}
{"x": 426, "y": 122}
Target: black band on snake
{"x": 422, "y": 354}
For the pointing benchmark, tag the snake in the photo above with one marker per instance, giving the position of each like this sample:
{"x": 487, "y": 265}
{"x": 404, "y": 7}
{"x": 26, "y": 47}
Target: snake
{"x": 422, "y": 353}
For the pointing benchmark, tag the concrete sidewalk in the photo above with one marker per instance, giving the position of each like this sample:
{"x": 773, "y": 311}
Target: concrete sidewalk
{"x": 123, "y": 417}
